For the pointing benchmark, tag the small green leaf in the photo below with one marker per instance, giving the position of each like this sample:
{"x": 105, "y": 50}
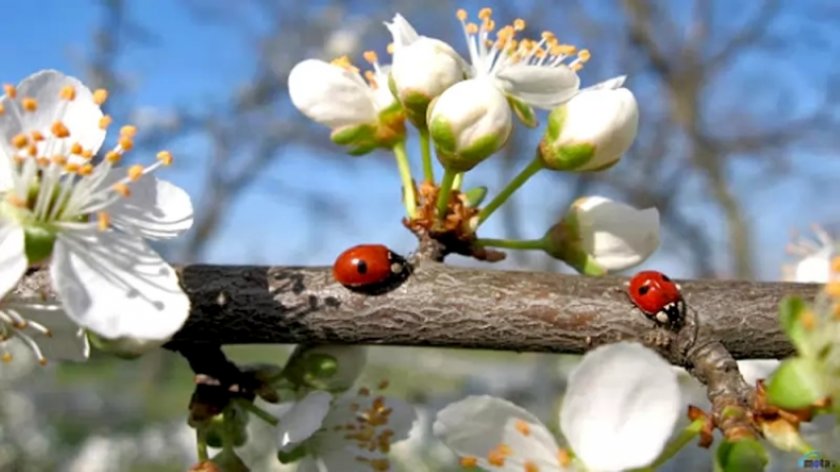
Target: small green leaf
{"x": 353, "y": 134}
{"x": 475, "y": 196}
{"x": 746, "y": 455}
{"x": 790, "y": 316}
{"x": 797, "y": 383}
{"x": 523, "y": 111}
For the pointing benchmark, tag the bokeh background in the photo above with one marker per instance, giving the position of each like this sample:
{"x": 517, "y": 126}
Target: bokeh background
{"x": 737, "y": 147}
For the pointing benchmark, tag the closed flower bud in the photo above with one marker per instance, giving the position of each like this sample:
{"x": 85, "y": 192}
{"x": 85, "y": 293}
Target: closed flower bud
{"x": 470, "y": 121}
{"x": 422, "y": 69}
{"x": 125, "y": 347}
{"x": 592, "y": 131}
{"x": 599, "y": 235}
{"x": 327, "y": 367}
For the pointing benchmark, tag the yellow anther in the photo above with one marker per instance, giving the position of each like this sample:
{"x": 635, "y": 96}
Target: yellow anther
{"x": 126, "y": 143}
{"x": 103, "y": 221}
{"x": 371, "y": 57}
{"x": 68, "y": 92}
{"x": 122, "y": 189}
{"x": 488, "y": 25}
{"x": 343, "y": 62}
{"x": 29, "y": 104}
{"x": 113, "y": 157}
{"x": 2, "y": 109}
{"x": 548, "y": 35}
{"x": 135, "y": 172}
{"x": 165, "y": 157}
{"x": 105, "y": 122}
{"x": 37, "y": 136}
{"x": 32, "y": 150}
{"x": 87, "y": 153}
{"x": 59, "y": 160}
{"x": 100, "y": 96}
{"x": 72, "y": 168}
{"x": 6, "y": 357}
{"x": 835, "y": 264}
{"x": 383, "y": 384}
{"x": 472, "y": 28}
{"x": 86, "y": 170}
{"x": 42, "y": 361}
{"x": 18, "y": 159}
{"x": 20, "y": 141}
{"x": 10, "y": 90}
{"x": 468, "y": 462}
{"x": 494, "y": 457}
{"x": 59, "y": 130}
{"x": 461, "y": 14}
{"x": 519, "y": 24}
{"x": 523, "y": 427}
{"x": 129, "y": 131}
{"x": 530, "y": 466}
{"x": 42, "y": 161}
{"x": 363, "y": 392}
{"x": 485, "y": 13}
{"x": 576, "y": 67}
{"x": 76, "y": 148}
{"x": 390, "y": 48}
{"x": 371, "y": 78}
{"x": 584, "y": 55}
{"x": 564, "y": 457}
{"x": 833, "y": 288}
{"x": 563, "y": 50}
{"x": 14, "y": 200}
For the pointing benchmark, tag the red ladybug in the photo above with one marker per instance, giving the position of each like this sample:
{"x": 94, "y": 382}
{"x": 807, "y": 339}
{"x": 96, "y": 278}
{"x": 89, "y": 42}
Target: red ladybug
{"x": 658, "y": 297}
{"x": 370, "y": 268}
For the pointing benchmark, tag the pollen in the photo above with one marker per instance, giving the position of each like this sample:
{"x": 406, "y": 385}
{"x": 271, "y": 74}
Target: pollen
{"x": 495, "y": 457}
{"x": 121, "y": 188}
{"x": 523, "y": 427}
{"x": 87, "y": 153}
{"x": 20, "y": 141}
{"x": 86, "y": 170}
{"x": 563, "y": 457}
{"x": 29, "y": 104}
{"x": 472, "y": 28}
{"x": 584, "y": 55}
{"x": 165, "y": 157}
{"x": 100, "y": 96}
{"x": 835, "y": 265}
{"x": 468, "y": 462}
{"x": 16, "y": 201}
{"x": 37, "y": 136}
{"x": 72, "y": 167}
{"x": 32, "y": 150}
{"x": 6, "y": 357}
{"x": 113, "y": 157}
{"x": 10, "y": 90}
{"x": 371, "y": 57}
{"x": 519, "y": 24}
{"x": 390, "y": 48}
{"x": 128, "y": 131}
{"x": 461, "y": 14}
{"x": 59, "y": 130}
{"x": 105, "y": 122}
{"x": 2, "y": 109}
{"x": 126, "y": 143}
{"x": 833, "y": 288}
{"x": 485, "y": 13}
{"x": 76, "y": 148}
{"x": 103, "y": 221}
{"x": 135, "y": 172}
{"x": 68, "y": 92}
{"x": 531, "y": 466}
{"x": 345, "y": 63}
{"x": 59, "y": 160}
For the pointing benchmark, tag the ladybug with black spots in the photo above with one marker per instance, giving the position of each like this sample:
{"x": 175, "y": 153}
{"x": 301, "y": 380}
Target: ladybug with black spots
{"x": 658, "y": 297}
{"x": 370, "y": 268}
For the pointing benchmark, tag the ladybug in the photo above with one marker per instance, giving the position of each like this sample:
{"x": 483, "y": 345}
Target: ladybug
{"x": 658, "y": 297}
{"x": 370, "y": 268}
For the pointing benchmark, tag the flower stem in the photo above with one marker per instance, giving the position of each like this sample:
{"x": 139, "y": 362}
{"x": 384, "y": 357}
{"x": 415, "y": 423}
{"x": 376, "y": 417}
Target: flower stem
{"x": 201, "y": 444}
{"x": 511, "y": 187}
{"x": 444, "y": 192}
{"x": 426, "y": 154}
{"x": 258, "y": 412}
{"x": 523, "y": 244}
{"x": 672, "y": 448}
{"x": 459, "y": 179}
{"x": 227, "y": 429}
{"x": 409, "y": 198}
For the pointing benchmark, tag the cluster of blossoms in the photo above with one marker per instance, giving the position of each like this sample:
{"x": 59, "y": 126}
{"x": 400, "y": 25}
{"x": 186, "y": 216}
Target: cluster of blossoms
{"x": 464, "y": 109}
{"x": 65, "y": 204}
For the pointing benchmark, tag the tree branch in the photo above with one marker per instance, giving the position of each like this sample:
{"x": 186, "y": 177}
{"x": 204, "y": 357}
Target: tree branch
{"x": 447, "y": 306}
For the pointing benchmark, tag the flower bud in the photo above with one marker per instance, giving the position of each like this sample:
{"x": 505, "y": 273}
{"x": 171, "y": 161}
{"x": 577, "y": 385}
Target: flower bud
{"x": 125, "y": 347}
{"x": 329, "y": 367}
{"x": 470, "y": 121}
{"x": 599, "y": 235}
{"x": 591, "y": 132}
{"x": 422, "y": 69}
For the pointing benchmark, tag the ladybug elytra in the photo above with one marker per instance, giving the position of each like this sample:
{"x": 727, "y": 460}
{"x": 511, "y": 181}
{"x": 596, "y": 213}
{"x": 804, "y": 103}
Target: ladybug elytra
{"x": 370, "y": 268}
{"x": 658, "y": 297}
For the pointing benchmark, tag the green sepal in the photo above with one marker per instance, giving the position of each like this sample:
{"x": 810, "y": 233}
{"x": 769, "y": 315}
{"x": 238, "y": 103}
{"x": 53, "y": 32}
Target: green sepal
{"x": 416, "y": 106}
{"x": 798, "y": 382}
{"x": 294, "y": 455}
{"x": 746, "y": 455}
{"x": 562, "y": 241}
{"x": 568, "y": 157}
{"x": 228, "y": 461}
{"x": 791, "y": 309}
{"x": 523, "y": 111}
{"x": 312, "y": 370}
{"x": 39, "y": 241}
{"x": 475, "y": 196}
{"x": 348, "y": 135}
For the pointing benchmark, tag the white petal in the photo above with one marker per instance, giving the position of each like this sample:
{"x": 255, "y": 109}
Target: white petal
{"x": 116, "y": 285}
{"x": 620, "y": 408}
{"x": 66, "y": 343}
{"x": 402, "y": 31}
{"x": 303, "y": 419}
{"x": 618, "y": 236}
{"x": 12, "y": 256}
{"x": 815, "y": 268}
{"x": 331, "y": 95}
{"x": 427, "y": 67}
{"x": 81, "y": 116}
{"x": 156, "y": 209}
{"x": 6, "y": 182}
{"x": 477, "y": 425}
{"x": 540, "y": 87}
{"x": 609, "y": 84}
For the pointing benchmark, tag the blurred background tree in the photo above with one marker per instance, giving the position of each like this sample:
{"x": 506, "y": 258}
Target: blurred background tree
{"x": 737, "y": 146}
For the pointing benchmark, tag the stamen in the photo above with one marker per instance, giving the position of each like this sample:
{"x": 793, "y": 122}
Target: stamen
{"x": 122, "y": 189}
{"x": 531, "y": 466}
{"x": 86, "y": 170}
{"x": 59, "y": 160}
{"x": 472, "y": 28}
{"x": 16, "y": 201}
{"x": 584, "y": 55}
{"x": 59, "y": 130}
{"x": 37, "y": 135}
{"x": 390, "y": 48}
{"x": 113, "y": 157}
{"x": 165, "y": 157}
{"x": 383, "y": 384}
{"x": 363, "y": 392}
{"x": 519, "y": 24}
{"x": 564, "y": 457}
{"x": 371, "y": 57}
{"x": 461, "y": 14}
{"x": 135, "y": 172}
{"x": 32, "y": 150}
{"x": 103, "y": 221}
{"x": 2, "y": 109}
{"x": 10, "y": 90}
{"x": 99, "y": 96}
{"x": 76, "y": 148}
{"x": 29, "y": 104}
{"x": 20, "y": 141}
{"x": 468, "y": 462}
{"x": 68, "y": 92}
{"x": 6, "y": 357}
{"x": 126, "y": 143}
{"x": 87, "y": 153}
{"x": 523, "y": 427}
{"x": 485, "y": 13}
{"x": 105, "y": 122}
{"x": 72, "y": 168}
{"x": 128, "y": 131}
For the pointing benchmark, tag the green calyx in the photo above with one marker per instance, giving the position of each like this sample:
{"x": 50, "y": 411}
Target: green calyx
{"x": 464, "y": 159}
{"x": 564, "y": 157}
{"x": 294, "y": 455}
{"x": 313, "y": 370}
{"x": 562, "y": 241}
{"x": 416, "y": 105}
{"x": 523, "y": 111}
{"x": 39, "y": 240}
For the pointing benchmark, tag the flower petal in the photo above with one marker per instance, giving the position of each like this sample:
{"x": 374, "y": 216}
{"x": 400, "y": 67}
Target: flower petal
{"x": 331, "y": 95}
{"x": 67, "y": 342}
{"x": 620, "y": 408}
{"x": 754, "y": 369}
{"x": 479, "y": 425}
{"x": 117, "y": 286}
{"x": 402, "y": 31}
{"x": 609, "y": 84}
{"x": 156, "y": 209}
{"x": 12, "y": 256}
{"x": 815, "y": 268}
{"x": 539, "y": 86}
{"x": 303, "y": 419}
{"x": 81, "y": 116}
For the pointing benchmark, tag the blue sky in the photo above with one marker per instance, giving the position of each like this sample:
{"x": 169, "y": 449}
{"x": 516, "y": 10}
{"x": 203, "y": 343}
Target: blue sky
{"x": 197, "y": 64}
